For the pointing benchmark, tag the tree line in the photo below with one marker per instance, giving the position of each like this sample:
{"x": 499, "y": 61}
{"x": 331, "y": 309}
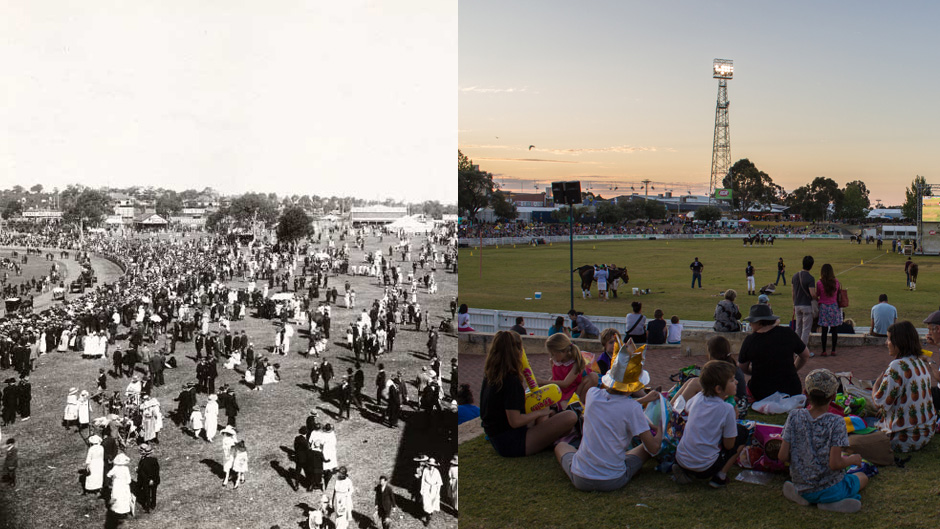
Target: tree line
{"x": 820, "y": 199}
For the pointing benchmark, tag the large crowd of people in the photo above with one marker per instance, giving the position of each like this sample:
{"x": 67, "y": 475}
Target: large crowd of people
{"x": 198, "y": 290}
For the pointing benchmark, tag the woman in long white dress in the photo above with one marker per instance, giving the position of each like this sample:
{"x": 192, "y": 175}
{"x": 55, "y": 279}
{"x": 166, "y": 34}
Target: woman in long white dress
{"x": 328, "y": 437}
{"x": 152, "y": 421}
{"x": 94, "y": 465}
{"x": 212, "y": 417}
{"x": 122, "y": 500}
{"x": 84, "y": 410}
{"x": 430, "y": 490}
{"x": 70, "y": 418}
{"x": 63, "y": 341}
{"x": 342, "y": 499}
{"x": 228, "y": 451}
{"x": 240, "y": 465}
{"x": 452, "y": 481}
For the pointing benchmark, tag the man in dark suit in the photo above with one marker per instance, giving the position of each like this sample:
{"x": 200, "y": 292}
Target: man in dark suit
{"x": 359, "y": 381}
{"x": 156, "y": 367}
{"x": 148, "y": 477}
{"x": 326, "y": 371}
{"x": 11, "y": 462}
{"x": 384, "y": 502}
{"x": 24, "y": 396}
{"x": 345, "y": 396}
{"x": 231, "y": 407}
{"x": 199, "y": 342}
{"x": 301, "y": 451}
{"x": 393, "y": 411}
{"x": 10, "y": 401}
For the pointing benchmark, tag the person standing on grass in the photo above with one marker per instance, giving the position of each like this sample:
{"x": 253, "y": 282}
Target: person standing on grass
{"x": 148, "y": 477}
{"x": 228, "y": 452}
{"x": 907, "y": 272}
{"x": 240, "y": 464}
{"x": 328, "y": 436}
{"x": 804, "y": 291}
{"x": 511, "y": 431}
{"x": 94, "y": 466}
{"x": 122, "y": 501}
{"x": 913, "y": 273}
{"x": 431, "y": 483}
{"x": 749, "y": 274}
{"x": 342, "y": 499}
{"x": 781, "y": 272}
{"x": 384, "y": 502}
{"x": 696, "y": 267}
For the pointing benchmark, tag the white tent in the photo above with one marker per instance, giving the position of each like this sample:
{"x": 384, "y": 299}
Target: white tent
{"x": 410, "y": 224}
{"x": 744, "y": 220}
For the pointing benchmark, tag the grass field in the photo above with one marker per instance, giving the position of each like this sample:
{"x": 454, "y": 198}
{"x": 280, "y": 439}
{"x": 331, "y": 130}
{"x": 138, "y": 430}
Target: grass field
{"x": 509, "y": 275}
{"x": 190, "y": 495}
{"x": 534, "y": 492}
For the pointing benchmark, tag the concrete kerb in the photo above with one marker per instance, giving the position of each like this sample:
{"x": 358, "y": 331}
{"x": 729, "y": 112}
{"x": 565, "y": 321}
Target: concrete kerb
{"x": 693, "y": 342}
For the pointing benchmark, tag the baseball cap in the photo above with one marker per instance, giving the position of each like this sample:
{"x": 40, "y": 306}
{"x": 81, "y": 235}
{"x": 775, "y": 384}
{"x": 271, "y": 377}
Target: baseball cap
{"x": 822, "y": 380}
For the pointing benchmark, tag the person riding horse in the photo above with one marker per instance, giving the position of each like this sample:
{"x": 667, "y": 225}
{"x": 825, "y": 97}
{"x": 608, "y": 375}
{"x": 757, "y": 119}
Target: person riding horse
{"x": 586, "y": 273}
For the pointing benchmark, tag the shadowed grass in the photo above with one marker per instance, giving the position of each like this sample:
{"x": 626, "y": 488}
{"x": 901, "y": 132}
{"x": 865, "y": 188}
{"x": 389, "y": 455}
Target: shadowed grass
{"x": 534, "y": 492}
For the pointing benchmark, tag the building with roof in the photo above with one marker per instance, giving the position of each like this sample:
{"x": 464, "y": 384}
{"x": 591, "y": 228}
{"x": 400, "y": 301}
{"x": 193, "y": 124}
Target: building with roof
{"x": 377, "y": 214}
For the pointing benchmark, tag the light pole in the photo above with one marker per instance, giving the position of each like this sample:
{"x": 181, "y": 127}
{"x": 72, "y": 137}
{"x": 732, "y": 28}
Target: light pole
{"x": 570, "y": 194}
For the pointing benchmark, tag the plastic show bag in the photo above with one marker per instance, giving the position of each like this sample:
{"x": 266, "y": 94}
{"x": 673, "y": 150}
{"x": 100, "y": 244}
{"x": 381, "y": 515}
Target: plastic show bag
{"x": 779, "y": 403}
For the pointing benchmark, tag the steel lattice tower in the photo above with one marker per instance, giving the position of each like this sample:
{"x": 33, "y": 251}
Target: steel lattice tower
{"x": 721, "y": 148}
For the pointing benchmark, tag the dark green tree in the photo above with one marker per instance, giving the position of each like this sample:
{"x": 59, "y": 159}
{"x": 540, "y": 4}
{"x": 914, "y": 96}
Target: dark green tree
{"x": 708, "y": 213}
{"x": 855, "y": 201}
{"x": 88, "y": 207}
{"x": 218, "y": 221}
{"x": 12, "y": 208}
{"x": 294, "y": 225}
{"x": 169, "y": 204}
{"x": 475, "y": 188}
{"x": 36, "y": 188}
{"x": 609, "y": 213}
{"x": 812, "y": 200}
{"x": 503, "y": 208}
{"x": 909, "y": 209}
{"x": 253, "y": 207}
{"x": 749, "y": 186}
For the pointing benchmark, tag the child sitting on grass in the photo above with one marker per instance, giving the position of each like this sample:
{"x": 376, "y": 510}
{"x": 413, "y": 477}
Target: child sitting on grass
{"x": 813, "y": 440}
{"x": 712, "y": 439}
{"x": 609, "y": 337}
{"x": 569, "y": 369}
{"x": 603, "y": 462}
{"x": 719, "y": 348}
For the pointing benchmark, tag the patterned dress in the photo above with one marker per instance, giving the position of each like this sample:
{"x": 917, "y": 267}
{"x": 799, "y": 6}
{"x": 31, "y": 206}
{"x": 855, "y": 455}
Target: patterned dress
{"x": 910, "y": 420}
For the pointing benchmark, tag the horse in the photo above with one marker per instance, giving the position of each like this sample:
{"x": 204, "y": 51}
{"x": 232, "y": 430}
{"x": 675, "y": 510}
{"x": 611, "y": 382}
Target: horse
{"x": 586, "y": 273}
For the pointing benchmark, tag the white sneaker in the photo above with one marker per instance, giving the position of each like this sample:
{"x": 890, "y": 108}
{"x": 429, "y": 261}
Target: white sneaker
{"x": 790, "y": 493}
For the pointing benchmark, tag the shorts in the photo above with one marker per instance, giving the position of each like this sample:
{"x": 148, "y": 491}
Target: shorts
{"x": 847, "y": 488}
{"x": 723, "y": 456}
{"x": 634, "y": 464}
{"x": 510, "y": 443}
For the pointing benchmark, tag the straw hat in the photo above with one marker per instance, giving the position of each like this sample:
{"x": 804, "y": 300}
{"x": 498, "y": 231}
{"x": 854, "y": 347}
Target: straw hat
{"x": 73, "y": 391}
{"x": 626, "y": 370}
{"x": 432, "y": 462}
{"x": 213, "y": 397}
{"x": 121, "y": 459}
{"x": 146, "y": 449}
{"x": 95, "y": 440}
{"x": 228, "y": 430}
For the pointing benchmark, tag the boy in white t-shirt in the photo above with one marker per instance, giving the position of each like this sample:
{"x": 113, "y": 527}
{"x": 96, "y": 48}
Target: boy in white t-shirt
{"x": 712, "y": 439}
{"x": 674, "y": 331}
{"x": 603, "y": 462}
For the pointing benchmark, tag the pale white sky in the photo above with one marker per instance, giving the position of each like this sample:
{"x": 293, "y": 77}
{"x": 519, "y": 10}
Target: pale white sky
{"x": 330, "y": 98}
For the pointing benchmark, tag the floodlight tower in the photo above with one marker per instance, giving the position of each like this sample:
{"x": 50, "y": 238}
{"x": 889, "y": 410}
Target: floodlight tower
{"x": 722, "y": 69}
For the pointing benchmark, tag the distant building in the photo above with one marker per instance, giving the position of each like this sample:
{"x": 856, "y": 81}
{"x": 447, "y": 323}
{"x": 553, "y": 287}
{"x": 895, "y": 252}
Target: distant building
{"x": 530, "y": 200}
{"x": 376, "y": 214}
{"x": 150, "y": 221}
{"x": 36, "y": 215}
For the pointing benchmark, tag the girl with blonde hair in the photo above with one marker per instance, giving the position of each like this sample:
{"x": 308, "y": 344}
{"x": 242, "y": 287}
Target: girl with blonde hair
{"x": 569, "y": 368}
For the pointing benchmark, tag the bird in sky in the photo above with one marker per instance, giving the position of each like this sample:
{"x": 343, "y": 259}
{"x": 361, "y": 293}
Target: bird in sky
{"x": 530, "y": 147}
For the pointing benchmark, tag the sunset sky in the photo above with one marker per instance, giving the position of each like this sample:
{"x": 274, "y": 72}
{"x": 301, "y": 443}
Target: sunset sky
{"x": 611, "y": 93}
{"x": 351, "y": 98}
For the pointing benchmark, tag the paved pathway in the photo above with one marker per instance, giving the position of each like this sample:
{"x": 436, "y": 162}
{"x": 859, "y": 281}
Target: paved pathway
{"x": 864, "y": 362}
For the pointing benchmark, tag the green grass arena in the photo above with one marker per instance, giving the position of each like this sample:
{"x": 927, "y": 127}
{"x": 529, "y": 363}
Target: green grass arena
{"x": 511, "y": 274}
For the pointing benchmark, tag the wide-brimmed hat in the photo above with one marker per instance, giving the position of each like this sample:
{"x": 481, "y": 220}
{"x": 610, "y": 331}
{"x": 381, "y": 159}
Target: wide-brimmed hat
{"x": 213, "y": 397}
{"x": 95, "y": 440}
{"x": 761, "y": 312}
{"x": 626, "y": 370}
{"x": 228, "y": 430}
{"x": 454, "y": 461}
{"x": 146, "y": 449}
{"x": 121, "y": 459}
{"x": 421, "y": 458}
{"x": 432, "y": 462}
